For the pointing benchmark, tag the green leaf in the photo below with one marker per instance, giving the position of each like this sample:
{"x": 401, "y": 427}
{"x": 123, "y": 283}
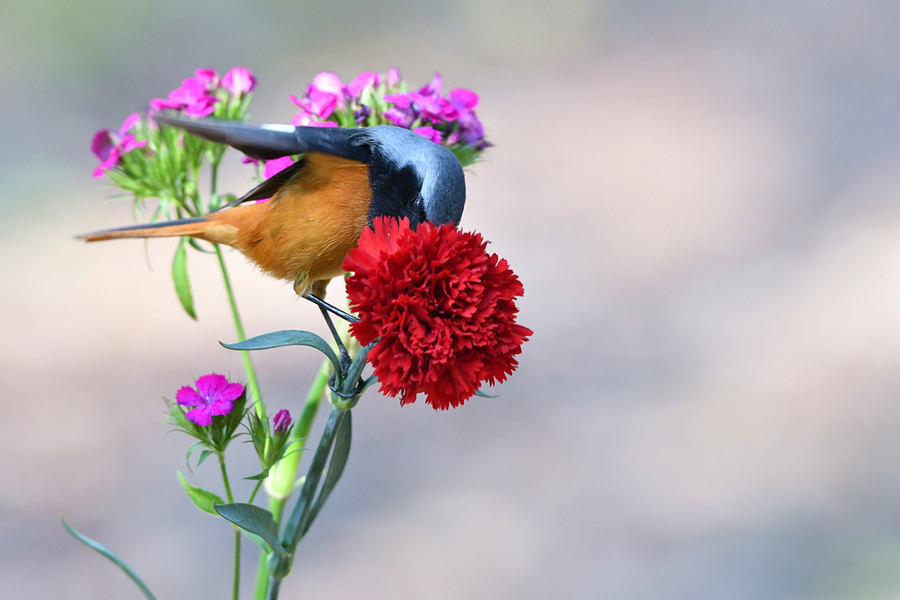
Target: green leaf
{"x": 191, "y": 451}
{"x": 481, "y": 394}
{"x": 203, "y": 456}
{"x": 256, "y": 540}
{"x": 276, "y": 339}
{"x": 111, "y": 556}
{"x": 335, "y": 468}
{"x": 355, "y": 370}
{"x": 196, "y": 246}
{"x": 180, "y": 277}
{"x": 369, "y": 382}
{"x": 201, "y": 498}
{"x": 255, "y": 520}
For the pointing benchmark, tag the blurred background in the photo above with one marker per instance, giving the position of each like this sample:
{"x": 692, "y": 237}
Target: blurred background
{"x": 701, "y": 199}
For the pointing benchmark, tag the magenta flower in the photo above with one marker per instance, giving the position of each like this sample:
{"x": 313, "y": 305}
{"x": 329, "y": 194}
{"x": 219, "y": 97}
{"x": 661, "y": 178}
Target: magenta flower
{"x": 208, "y": 76}
{"x": 433, "y": 88}
{"x": 213, "y": 396}
{"x": 328, "y": 83}
{"x": 400, "y": 100}
{"x": 110, "y": 148}
{"x": 425, "y": 102}
{"x": 282, "y": 421}
{"x": 393, "y": 78}
{"x": 429, "y": 132}
{"x": 239, "y": 81}
{"x": 323, "y": 96}
{"x": 308, "y": 119}
{"x": 277, "y": 165}
{"x": 362, "y": 81}
{"x": 195, "y": 96}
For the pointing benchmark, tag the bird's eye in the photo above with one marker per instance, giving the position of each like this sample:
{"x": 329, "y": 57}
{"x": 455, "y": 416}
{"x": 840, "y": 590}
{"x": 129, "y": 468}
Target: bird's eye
{"x": 420, "y": 203}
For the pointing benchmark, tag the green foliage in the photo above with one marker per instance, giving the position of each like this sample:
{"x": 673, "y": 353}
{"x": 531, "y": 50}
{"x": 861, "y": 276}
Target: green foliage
{"x": 112, "y": 556}
{"x": 180, "y": 278}
{"x": 202, "y": 499}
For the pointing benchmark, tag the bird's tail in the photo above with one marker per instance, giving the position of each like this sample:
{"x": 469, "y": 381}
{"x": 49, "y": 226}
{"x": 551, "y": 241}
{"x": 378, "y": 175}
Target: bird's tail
{"x": 198, "y": 227}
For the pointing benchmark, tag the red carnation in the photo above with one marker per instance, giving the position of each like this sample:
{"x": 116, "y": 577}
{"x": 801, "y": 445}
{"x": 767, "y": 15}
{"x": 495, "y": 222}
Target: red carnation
{"x": 443, "y": 307}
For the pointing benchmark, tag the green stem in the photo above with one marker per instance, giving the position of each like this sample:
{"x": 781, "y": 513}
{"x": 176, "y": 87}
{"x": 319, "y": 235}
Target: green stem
{"x": 236, "y": 585}
{"x": 252, "y": 381}
{"x": 256, "y": 489}
{"x": 284, "y": 473}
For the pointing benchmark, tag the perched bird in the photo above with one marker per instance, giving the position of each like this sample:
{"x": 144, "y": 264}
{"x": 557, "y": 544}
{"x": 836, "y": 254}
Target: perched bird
{"x": 320, "y": 205}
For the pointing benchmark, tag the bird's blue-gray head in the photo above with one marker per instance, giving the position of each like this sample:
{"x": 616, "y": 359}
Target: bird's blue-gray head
{"x": 413, "y": 177}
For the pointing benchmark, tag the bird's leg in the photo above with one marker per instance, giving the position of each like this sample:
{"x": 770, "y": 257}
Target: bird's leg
{"x": 330, "y": 308}
{"x": 345, "y": 356}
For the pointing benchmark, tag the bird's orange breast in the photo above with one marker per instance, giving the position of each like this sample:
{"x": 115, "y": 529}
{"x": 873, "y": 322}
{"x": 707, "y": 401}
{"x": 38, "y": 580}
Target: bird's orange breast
{"x": 305, "y": 230}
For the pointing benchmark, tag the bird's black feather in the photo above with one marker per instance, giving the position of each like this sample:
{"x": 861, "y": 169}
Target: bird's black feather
{"x": 268, "y": 142}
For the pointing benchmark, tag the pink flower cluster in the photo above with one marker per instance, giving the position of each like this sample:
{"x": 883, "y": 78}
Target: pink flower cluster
{"x": 109, "y": 147}
{"x": 327, "y": 93}
{"x": 426, "y": 105}
{"x": 198, "y": 96}
{"x": 447, "y": 120}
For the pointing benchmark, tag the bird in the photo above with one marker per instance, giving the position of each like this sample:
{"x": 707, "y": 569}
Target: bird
{"x": 319, "y": 206}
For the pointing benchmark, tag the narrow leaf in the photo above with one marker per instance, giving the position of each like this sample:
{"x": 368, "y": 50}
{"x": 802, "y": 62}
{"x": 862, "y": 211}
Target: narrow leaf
{"x": 276, "y": 339}
{"x": 202, "y": 499}
{"x": 370, "y": 381}
{"x": 481, "y": 394}
{"x": 191, "y": 451}
{"x": 203, "y": 456}
{"x": 111, "y": 556}
{"x": 295, "y": 526}
{"x": 335, "y": 468}
{"x": 356, "y": 369}
{"x": 254, "y": 519}
{"x": 180, "y": 277}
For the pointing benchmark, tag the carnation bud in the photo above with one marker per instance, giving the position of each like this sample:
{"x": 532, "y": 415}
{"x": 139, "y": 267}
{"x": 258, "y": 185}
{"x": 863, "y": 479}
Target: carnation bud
{"x": 282, "y": 421}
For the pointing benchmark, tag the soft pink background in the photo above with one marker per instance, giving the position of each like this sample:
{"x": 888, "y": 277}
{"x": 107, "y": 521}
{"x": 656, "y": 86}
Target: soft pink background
{"x": 702, "y": 201}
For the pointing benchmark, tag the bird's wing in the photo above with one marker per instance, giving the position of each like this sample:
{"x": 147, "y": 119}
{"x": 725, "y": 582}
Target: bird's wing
{"x": 269, "y": 187}
{"x": 273, "y": 141}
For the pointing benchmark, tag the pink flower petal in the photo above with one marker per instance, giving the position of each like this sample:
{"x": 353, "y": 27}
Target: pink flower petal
{"x": 207, "y": 76}
{"x": 401, "y": 100}
{"x": 463, "y": 99}
{"x": 165, "y": 104}
{"x": 190, "y": 91}
{"x": 188, "y": 396}
{"x": 211, "y": 384}
{"x": 239, "y": 81}
{"x": 328, "y": 82}
{"x": 429, "y": 132}
{"x": 102, "y": 144}
{"x": 361, "y": 82}
{"x": 393, "y": 77}
{"x": 200, "y": 416}
{"x": 277, "y": 165}
{"x": 130, "y": 121}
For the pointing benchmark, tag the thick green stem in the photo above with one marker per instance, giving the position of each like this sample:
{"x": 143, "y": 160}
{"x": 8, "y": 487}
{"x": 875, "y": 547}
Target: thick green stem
{"x": 252, "y": 381}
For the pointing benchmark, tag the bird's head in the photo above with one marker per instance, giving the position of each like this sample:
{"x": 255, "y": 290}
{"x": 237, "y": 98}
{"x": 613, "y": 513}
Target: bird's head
{"x": 413, "y": 177}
